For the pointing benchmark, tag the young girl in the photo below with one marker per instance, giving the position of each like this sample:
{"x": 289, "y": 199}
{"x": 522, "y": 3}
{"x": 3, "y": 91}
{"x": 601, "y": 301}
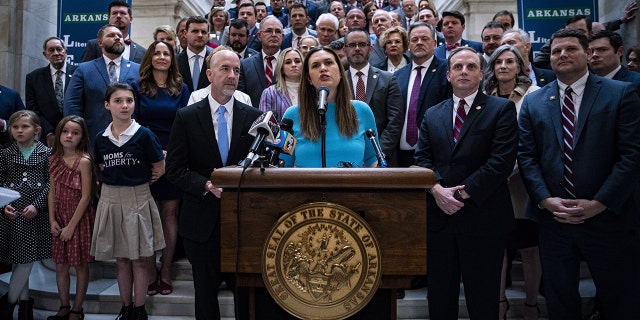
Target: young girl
{"x": 128, "y": 226}
{"x": 24, "y": 224}
{"x": 71, "y": 214}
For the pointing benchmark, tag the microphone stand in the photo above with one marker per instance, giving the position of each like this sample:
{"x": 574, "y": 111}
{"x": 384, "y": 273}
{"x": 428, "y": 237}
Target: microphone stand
{"x": 323, "y": 129}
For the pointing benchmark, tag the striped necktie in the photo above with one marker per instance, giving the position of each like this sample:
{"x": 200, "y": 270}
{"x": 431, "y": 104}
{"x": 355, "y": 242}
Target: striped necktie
{"x": 568, "y": 128}
{"x": 461, "y": 114}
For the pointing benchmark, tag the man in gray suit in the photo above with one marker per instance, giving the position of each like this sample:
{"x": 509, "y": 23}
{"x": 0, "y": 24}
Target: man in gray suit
{"x": 378, "y": 89}
{"x": 120, "y": 16}
{"x": 85, "y": 94}
{"x": 381, "y": 21}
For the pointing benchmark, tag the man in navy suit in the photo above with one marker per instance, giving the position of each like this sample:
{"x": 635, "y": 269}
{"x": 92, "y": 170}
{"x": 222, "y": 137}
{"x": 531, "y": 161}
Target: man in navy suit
{"x": 253, "y": 74}
{"x": 85, "y": 93}
{"x": 434, "y": 87}
{"x": 470, "y": 142}
{"x": 453, "y": 24}
{"x": 299, "y": 21}
{"x": 40, "y": 88}
{"x": 606, "y": 54}
{"x": 120, "y": 16}
{"x": 193, "y": 153}
{"x": 10, "y": 102}
{"x": 379, "y": 90}
{"x": 195, "y": 55}
{"x": 521, "y": 41}
{"x": 238, "y": 36}
{"x": 579, "y": 158}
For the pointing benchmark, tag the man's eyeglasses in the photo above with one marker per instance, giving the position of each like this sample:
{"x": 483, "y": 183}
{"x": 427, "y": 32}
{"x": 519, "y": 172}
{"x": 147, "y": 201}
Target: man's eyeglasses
{"x": 358, "y": 44}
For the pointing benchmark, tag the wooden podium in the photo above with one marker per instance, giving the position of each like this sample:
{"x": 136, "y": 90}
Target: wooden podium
{"x": 391, "y": 200}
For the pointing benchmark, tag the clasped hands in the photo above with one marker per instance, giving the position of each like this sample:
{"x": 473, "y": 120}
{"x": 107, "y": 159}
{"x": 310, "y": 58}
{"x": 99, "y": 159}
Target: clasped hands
{"x": 445, "y": 198}
{"x": 572, "y": 211}
{"x": 209, "y": 187}
{"x": 29, "y": 212}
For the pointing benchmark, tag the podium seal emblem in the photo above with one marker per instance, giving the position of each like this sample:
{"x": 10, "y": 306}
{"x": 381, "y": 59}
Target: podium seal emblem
{"x": 321, "y": 261}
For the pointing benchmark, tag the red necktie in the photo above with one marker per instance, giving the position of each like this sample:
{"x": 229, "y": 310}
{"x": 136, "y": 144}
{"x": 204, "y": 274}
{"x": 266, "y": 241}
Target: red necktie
{"x": 127, "y": 40}
{"x": 461, "y": 114}
{"x": 269, "y": 70}
{"x": 528, "y": 71}
{"x": 360, "y": 90}
{"x": 452, "y": 46}
{"x": 568, "y": 121}
{"x": 412, "y": 114}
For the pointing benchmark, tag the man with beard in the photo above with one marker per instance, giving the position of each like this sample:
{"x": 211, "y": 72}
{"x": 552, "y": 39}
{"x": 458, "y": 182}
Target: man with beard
{"x": 257, "y": 72}
{"x": 119, "y": 16}
{"x": 191, "y": 61}
{"x": 238, "y": 37}
{"x": 45, "y": 87}
{"x": 491, "y": 37}
{"x": 85, "y": 96}
{"x": 378, "y": 89}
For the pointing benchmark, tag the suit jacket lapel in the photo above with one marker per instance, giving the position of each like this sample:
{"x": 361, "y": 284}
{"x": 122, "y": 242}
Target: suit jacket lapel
{"x": 258, "y": 64}
{"x": 372, "y": 82}
{"x": 239, "y": 118}
{"x": 125, "y": 65}
{"x": 446, "y": 122}
{"x": 206, "y": 123}
{"x": 474, "y": 112}
{"x": 425, "y": 85}
{"x": 101, "y": 67}
{"x": 591, "y": 90}
{"x": 70, "y": 70}
{"x": 553, "y": 102}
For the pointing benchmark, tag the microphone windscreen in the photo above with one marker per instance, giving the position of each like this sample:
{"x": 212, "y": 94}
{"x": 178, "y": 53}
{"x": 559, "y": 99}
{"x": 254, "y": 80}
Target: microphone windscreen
{"x": 269, "y": 122}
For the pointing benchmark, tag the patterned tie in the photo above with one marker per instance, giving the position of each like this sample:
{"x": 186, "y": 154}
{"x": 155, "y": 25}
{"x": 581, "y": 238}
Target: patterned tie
{"x": 223, "y": 135}
{"x": 112, "y": 72}
{"x": 461, "y": 114}
{"x": 360, "y": 90}
{"x": 195, "y": 74}
{"x": 269, "y": 70}
{"x": 412, "y": 126}
{"x": 452, "y": 46}
{"x": 59, "y": 89}
{"x": 568, "y": 121}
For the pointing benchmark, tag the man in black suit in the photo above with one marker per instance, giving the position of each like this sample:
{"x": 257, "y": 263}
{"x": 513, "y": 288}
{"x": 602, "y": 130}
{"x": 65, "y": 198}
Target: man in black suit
{"x": 254, "y": 70}
{"x": 376, "y": 88}
{"x": 195, "y": 55}
{"x": 42, "y": 85}
{"x": 433, "y": 87}
{"x": 10, "y": 102}
{"x": 521, "y": 41}
{"x": 196, "y": 147}
{"x": 238, "y": 36}
{"x": 120, "y": 16}
{"x": 579, "y": 158}
{"x": 606, "y": 54}
{"x": 470, "y": 142}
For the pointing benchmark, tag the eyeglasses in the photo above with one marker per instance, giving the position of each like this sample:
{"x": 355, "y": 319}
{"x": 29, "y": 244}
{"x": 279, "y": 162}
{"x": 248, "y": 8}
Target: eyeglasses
{"x": 358, "y": 44}
{"x": 271, "y": 31}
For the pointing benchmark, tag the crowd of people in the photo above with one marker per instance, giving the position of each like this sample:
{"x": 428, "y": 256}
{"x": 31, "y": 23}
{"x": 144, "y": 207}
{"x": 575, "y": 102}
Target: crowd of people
{"x": 533, "y": 156}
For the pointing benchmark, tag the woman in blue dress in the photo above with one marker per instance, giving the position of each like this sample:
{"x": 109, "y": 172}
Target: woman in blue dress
{"x": 346, "y": 120}
{"x": 160, "y": 92}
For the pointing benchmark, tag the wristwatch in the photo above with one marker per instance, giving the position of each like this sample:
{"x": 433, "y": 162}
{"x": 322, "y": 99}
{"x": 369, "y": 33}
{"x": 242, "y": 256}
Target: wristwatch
{"x": 458, "y": 195}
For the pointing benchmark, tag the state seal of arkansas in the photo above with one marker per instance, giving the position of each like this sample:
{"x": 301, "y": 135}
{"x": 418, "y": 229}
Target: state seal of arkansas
{"x": 321, "y": 261}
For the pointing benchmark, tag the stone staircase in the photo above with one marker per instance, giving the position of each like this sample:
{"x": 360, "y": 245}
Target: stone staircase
{"x": 103, "y": 300}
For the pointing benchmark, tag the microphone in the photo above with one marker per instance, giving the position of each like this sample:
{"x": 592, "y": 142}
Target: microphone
{"x": 323, "y": 92}
{"x": 372, "y": 137}
{"x": 286, "y": 142}
{"x": 264, "y": 128}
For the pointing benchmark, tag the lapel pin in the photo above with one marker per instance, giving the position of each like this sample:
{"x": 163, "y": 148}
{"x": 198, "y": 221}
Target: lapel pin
{"x": 375, "y": 76}
{"x": 552, "y": 98}
{"x": 478, "y": 107}
{"x": 433, "y": 70}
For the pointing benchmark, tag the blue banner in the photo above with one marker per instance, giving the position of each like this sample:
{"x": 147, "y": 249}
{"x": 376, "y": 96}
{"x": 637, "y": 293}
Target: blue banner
{"x": 541, "y": 18}
{"x": 79, "y": 22}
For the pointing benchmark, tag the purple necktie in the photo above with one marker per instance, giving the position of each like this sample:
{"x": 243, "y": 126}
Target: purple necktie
{"x": 568, "y": 121}
{"x": 412, "y": 127}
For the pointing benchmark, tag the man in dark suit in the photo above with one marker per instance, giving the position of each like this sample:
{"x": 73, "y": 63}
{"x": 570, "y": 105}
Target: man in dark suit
{"x": 42, "y": 84}
{"x": 381, "y": 21}
{"x": 10, "y": 102}
{"x": 430, "y": 16}
{"x": 433, "y": 87}
{"x": 453, "y": 24}
{"x": 253, "y": 73}
{"x": 238, "y": 36}
{"x": 606, "y": 54}
{"x": 247, "y": 12}
{"x": 120, "y": 16}
{"x": 85, "y": 93}
{"x": 299, "y": 21}
{"x": 196, "y": 147}
{"x": 378, "y": 89}
{"x": 582, "y": 177}
{"x": 195, "y": 55}
{"x": 470, "y": 143}
{"x": 521, "y": 41}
